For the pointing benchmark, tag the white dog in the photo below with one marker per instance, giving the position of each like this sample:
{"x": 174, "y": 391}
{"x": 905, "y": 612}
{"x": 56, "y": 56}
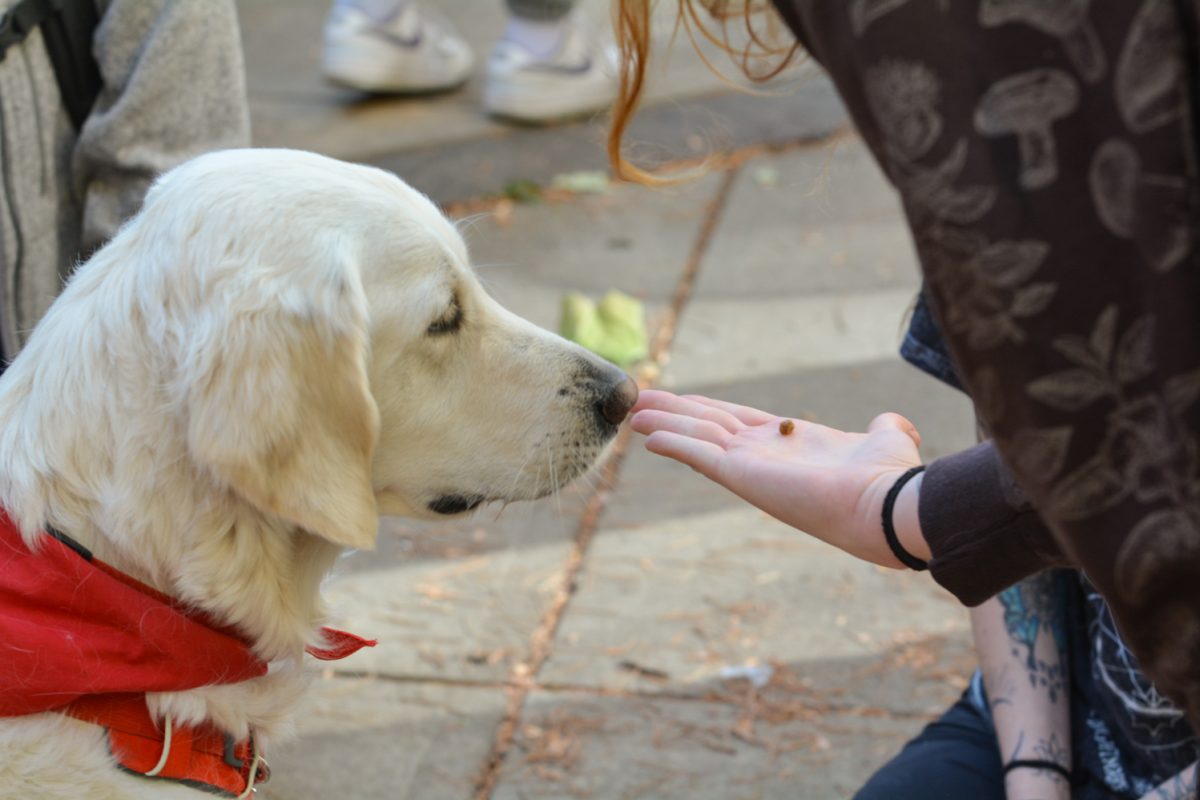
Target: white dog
{"x": 278, "y": 349}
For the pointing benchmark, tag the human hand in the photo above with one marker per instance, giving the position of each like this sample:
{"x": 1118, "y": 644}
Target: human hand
{"x": 828, "y": 483}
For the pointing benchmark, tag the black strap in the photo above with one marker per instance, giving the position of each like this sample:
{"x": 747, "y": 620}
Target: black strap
{"x": 69, "y": 542}
{"x": 1037, "y": 763}
{"x": 20, "y": 20}
{"x": 67, "y": 29}
{"x": 889, "y": 530}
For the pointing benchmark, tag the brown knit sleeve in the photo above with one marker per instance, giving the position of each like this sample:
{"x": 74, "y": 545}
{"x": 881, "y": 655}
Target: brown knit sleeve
{"x": 983, "y": 533}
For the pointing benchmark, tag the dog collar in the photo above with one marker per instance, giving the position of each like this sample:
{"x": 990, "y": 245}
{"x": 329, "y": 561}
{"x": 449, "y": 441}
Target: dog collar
{"x": 81, "y": 637}
{"x": 201, "y": 756}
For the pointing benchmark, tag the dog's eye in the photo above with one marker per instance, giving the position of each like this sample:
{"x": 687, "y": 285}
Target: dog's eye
{"x": 449, "y": 322}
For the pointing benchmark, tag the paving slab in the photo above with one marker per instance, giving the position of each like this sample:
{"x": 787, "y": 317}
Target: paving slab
{"x": 292, "y": 103}
{"x": 446, "y": 146}
{"x": 670, "y": 608}
{"x": 629, "y": 238}
{"x": 724, "y": 341}
{"x": 690, "y": 128}
{"x": 381, "y": 740}
{"x": 815, "y": 220}
{"x": 468, "y": 616}
{"x": 620, "y": 748}
{"x": 811, "y": 266}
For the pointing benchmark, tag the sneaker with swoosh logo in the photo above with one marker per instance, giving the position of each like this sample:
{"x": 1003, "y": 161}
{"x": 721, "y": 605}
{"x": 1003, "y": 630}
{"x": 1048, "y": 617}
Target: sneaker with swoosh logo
{"x": 411, "y": 50}
{"x": 579, "y": 78}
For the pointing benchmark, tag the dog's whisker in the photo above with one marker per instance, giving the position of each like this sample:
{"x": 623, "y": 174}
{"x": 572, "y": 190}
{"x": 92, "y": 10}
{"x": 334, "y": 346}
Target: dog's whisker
{"x": 590, "y": 480}
{"x": 464, "y": 224}
{"x": 554, "y": 483}
{"x": 521, "y": 471}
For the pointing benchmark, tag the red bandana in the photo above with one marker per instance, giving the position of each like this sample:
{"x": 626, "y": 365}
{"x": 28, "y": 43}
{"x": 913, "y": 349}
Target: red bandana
{"x": 82, "y": 638}
{"x": 72, "y": 626}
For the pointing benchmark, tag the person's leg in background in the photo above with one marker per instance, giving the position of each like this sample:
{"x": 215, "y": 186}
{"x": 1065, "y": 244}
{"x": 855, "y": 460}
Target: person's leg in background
{"x": 538, "y": 25}
{"x": 549, "y": 63}
{"x": 393, "y": 46}
{"x": 954, "y": 758}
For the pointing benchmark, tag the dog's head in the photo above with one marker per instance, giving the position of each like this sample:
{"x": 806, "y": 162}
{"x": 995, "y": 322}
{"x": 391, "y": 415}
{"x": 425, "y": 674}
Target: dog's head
{"x": 338, "y": 359}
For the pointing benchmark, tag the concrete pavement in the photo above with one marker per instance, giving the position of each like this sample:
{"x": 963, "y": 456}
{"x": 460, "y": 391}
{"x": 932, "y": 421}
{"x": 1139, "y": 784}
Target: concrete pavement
{"x": 645, "y": 634}
{"x": 445, "y": 146}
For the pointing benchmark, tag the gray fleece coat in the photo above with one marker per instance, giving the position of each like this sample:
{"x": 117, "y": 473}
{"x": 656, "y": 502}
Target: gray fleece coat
{"x": 173, "y": 87}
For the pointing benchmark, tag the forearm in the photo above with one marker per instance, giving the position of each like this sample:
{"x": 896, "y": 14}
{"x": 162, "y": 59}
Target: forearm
{"x": 1020, "y": 641}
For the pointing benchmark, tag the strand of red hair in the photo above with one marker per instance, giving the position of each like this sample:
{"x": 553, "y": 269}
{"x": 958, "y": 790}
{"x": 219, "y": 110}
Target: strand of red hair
{"x": 632, "y": 26}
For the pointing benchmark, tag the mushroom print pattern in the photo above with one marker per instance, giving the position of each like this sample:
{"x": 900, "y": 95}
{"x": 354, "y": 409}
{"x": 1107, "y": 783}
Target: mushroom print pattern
{"x": 995, "y": 294}
{"x": 903, "y": 96}
{"x": 932, "y": 192}
{"x": 1065, "y": 19}
{"x": 1150, "y": 69}
{"x": 1047, "y": 161}
{"x": 1027, "y": 105}
{"x": 864, "y": 12}
{"x": 1121, "y": 193}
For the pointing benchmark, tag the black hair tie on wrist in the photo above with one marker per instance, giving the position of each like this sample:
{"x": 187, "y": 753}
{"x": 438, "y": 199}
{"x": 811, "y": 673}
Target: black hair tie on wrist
{"x": 1037, "y": 763}
{"x": 889, "y": 530}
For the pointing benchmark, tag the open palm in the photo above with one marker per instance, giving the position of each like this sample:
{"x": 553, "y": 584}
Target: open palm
{"x": 828, "y": 483}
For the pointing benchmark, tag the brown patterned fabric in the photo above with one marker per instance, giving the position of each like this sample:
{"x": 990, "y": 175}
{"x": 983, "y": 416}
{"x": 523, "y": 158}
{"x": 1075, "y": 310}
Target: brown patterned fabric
{"x": 1045, "y": 152}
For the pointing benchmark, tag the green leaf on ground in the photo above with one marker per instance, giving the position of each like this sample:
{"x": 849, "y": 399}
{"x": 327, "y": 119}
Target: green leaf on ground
{"x": 614, "y": 329}
{"x": 523, "y": 191}
{"x": 588, "y": 181}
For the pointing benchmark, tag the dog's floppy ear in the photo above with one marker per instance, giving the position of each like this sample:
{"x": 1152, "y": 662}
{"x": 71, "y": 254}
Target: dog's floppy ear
{"x": 280, "y": 408}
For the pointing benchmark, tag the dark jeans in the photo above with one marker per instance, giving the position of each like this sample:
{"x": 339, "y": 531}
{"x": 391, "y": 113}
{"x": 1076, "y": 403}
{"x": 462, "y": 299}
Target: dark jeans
{"x": 955, "y": 758}
{"x": 958, "y": 758}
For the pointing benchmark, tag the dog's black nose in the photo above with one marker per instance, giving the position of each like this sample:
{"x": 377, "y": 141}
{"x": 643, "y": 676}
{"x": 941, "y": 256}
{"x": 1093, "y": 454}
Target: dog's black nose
{"x": 615, "y": 405}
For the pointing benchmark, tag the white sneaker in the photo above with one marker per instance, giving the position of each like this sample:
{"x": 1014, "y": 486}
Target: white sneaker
{"x": 580, "y": 78}
{"x": 412, "y": 50}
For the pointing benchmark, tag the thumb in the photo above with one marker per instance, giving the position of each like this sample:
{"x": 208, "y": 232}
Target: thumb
{"x": 896, "y": 422}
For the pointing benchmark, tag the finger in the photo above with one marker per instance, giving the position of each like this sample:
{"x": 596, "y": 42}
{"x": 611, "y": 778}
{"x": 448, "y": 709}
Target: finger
{"x": 744, "y": 414}
{"x": 665, "y": 401}
{"x": 700, "y": 456}
{"x": 892, "y": 421}
{"x": 651, "y": 395}
{"x": 652, "y": 420}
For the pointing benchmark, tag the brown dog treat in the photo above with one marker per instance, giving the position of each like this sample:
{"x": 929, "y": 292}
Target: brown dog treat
{"x": 786, "y": 427}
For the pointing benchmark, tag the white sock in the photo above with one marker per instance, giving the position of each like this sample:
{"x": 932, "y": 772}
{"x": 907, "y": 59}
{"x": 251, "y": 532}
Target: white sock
{"x": 379, "y": 10}
{"x": 539, "y": 37}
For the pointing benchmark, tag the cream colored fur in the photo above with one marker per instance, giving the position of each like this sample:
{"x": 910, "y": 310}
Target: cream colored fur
{"x": 227, "y": 396}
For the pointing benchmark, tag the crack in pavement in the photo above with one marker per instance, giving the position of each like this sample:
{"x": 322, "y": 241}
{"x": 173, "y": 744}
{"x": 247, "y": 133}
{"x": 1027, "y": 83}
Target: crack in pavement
{"x": 524, "y": 674}
{"x": 714, "y": 697}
